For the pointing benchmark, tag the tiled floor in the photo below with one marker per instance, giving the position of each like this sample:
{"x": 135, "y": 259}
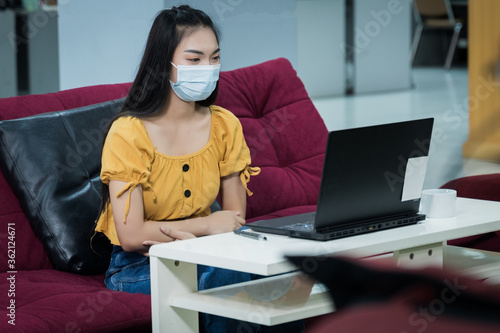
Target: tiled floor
{"x": 437, "y": 93}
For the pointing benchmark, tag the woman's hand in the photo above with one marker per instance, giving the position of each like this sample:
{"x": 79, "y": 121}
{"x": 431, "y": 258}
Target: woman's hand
{"x": 176, "y": 235}
{"x": 223, "y": 221}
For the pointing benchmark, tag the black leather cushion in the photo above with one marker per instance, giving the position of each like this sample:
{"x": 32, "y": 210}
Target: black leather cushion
{"x": 52, "y": 162}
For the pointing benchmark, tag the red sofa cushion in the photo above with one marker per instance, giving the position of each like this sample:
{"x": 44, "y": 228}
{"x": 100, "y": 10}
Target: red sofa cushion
{"x": 54, "y": 301}
{"x": 398, "y": 315}
{"x": 23, "y": 106}
{"x": 284, "y": 131}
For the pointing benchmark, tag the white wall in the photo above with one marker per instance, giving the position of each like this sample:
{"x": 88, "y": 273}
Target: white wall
{"x": 382, "y": 43}
{"x": 252, "y": 31}
{"x": 321, "y": 55}
{"x": 43, "y": 58}
{"x": 102, "y": 42}
{"x": 8, "y": 78}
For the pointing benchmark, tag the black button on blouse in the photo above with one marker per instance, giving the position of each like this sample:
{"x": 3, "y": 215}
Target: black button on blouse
{"x": 185, "y": 167}
{"x": 187, "y": 193}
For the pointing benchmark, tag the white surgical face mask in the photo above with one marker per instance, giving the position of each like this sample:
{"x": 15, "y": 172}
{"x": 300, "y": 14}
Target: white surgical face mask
{"x": 195, "y": 83}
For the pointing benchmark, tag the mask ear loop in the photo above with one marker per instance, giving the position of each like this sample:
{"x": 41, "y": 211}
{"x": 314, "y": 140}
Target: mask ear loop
{"x": 176, "y": 68}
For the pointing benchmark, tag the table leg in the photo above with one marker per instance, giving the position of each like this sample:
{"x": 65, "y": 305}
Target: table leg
{"x": 416, "y": 257}
{"x": 171, "y": 278}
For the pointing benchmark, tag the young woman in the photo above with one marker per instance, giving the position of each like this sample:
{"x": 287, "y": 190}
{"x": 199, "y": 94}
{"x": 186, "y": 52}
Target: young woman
{"x": 168, "y": 151}
{"x": 167, "y": 155}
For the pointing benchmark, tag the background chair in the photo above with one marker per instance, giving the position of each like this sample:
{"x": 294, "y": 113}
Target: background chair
{"x": 438, "y": 15}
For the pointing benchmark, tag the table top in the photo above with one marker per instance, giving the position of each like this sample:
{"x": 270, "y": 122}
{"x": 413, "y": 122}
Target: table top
{"x": 268, "y": 257}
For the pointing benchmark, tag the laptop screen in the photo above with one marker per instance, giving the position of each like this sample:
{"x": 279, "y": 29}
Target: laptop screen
{"x": 366, "y": 170}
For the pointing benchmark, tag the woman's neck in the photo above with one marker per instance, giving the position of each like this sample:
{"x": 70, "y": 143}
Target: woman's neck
{"x": 176, "y": 110}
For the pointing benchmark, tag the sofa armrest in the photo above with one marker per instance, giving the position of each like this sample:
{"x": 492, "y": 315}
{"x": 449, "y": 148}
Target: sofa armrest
{"x": 484, "y": 187}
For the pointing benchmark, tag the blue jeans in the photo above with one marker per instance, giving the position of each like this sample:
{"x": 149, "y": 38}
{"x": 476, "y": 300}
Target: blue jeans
{"x": 129, "y": 271}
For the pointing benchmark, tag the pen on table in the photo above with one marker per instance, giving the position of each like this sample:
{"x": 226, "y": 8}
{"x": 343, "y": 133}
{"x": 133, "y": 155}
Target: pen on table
{"x": 252, "y": 235}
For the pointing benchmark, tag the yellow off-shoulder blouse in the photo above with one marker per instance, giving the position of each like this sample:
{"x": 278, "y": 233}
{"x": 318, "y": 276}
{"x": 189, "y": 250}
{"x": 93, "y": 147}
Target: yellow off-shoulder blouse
{"x": 174, "y": 187}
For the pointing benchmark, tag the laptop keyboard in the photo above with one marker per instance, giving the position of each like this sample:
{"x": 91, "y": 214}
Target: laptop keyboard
{"x": 307, "y": 227}
{"x": 300, "y": 226}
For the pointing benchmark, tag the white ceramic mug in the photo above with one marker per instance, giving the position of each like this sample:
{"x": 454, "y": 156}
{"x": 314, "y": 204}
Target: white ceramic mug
{"x": 438, "y": 203}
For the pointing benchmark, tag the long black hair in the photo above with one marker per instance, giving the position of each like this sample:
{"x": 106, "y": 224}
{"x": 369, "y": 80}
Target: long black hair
{"x": 150, "y": 88}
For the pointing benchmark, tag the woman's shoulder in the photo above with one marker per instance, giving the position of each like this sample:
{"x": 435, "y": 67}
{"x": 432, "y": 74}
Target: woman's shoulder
{"x": 129, "y": 130}
{"x": 224, "y": 118}
{"x": 127, "y": 123}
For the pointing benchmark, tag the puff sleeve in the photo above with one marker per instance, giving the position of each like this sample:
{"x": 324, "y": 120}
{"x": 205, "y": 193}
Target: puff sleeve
{"x": 127, "y": 155}
{"x": 236, "y": 155}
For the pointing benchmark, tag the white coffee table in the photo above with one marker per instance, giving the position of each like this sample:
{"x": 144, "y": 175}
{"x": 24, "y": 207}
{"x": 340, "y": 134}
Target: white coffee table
{"x": 176, "y": 301}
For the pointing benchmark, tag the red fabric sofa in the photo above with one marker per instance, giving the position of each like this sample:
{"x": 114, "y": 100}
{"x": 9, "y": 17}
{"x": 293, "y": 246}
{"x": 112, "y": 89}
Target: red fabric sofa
{"x": 286, "y": 136}
{"x": 484, "y": 187}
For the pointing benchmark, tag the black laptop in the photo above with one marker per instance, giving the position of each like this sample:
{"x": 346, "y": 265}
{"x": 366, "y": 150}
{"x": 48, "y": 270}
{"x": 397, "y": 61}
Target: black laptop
{"x": 372, "y": 179}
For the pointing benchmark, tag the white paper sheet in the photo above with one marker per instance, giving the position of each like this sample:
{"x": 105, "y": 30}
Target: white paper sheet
{"x": 414, "y": 178}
